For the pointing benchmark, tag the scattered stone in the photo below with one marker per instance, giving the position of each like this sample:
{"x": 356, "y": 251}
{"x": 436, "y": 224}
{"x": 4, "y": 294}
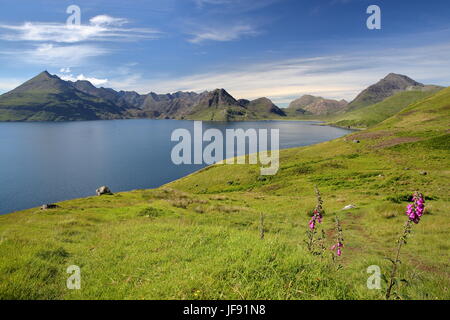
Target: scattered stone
{"x": 356, "y": 141}
{"x": 48, "y": 206}
{"x": 424, "y": 173}
{"x": 350, "y": 206}
{"x": 103, "y": 190}
{"x": 406, "y": 169}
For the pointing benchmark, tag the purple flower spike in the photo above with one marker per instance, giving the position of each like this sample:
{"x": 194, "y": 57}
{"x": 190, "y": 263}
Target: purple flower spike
{"x": 416, "y": 209}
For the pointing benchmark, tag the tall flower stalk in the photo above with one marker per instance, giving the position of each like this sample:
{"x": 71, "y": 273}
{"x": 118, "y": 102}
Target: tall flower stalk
{"x": 414, "y": 211}
{"x": 337, "y": 247}
{"x": 314, "y": 239}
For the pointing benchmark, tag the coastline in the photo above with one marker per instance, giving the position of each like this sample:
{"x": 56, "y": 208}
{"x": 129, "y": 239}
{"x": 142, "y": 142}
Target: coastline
{"x": 206, "y": 167}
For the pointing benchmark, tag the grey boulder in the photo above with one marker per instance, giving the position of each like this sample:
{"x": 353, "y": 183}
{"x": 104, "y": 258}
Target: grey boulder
{"x": 103, "y": 190}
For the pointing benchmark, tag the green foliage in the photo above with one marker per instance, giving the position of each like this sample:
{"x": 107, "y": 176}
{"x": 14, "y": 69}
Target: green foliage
{"x": 202, "y": 237}
{"x": 371, "y": 115}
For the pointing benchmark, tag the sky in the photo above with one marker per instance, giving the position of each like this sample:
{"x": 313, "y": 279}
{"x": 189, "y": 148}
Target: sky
{"x": 280, "y": 49}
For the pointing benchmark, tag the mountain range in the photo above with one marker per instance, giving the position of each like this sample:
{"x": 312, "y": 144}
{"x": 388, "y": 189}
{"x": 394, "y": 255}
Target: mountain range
{"x": 309, "y": 104}
{"x": 47, "y": 97}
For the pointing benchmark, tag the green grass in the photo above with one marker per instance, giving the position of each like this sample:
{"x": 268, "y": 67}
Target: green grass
{"x": 231, "y": 114}
{"x": 376, "y": 113}
{"x": 198, "y": 237}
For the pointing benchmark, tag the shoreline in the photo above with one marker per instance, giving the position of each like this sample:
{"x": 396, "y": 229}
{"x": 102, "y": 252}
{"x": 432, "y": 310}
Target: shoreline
{"x": 189, "y": 174}
{"x": 120, "y": 119}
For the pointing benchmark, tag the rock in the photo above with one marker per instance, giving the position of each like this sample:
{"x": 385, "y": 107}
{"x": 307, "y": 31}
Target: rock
{"x": 48, "y": 206}
{"x": 103, "y": 190}
{"x": 356, "y": 141}
{"x": 424, "y": 173}
{"x": 350, "y": 206}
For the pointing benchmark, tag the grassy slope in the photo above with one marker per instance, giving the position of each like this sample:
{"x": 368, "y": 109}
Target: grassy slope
{"x": 198, "y": 236}
{"x": 46, "y": 98}
{"x": 231, "y": 114}
{"x": 52, "y": 105}
{"x": 373, "y": 114}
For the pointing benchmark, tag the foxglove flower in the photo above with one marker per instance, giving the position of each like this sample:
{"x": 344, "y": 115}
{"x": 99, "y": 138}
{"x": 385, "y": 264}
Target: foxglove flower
{"x": 338, "y": 247}
{"x": 316, "y": 218}
{"x": 415, "y": 210}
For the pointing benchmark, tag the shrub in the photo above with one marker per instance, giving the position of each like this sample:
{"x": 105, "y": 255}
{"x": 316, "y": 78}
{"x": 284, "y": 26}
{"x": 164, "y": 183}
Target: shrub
{"x": 150, "y": 212}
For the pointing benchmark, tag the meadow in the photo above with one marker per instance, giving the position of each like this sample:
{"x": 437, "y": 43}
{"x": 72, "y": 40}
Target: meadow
{"x": 199, "y": 237}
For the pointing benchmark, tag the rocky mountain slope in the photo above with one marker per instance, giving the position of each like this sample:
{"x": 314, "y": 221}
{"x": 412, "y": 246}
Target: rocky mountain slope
{"x": 386, "y": 87}
{"x": 46, "y": 97}
{"x": 308, "y": 104}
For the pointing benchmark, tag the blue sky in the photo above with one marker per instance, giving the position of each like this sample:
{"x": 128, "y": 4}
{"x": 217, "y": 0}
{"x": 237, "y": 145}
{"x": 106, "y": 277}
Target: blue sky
{"x": 280, "y": 49}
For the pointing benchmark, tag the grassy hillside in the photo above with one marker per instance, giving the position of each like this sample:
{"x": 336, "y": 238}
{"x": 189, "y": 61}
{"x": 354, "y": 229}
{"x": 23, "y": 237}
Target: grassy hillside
{"x": 232, "y": 113}
{"x": 198, "y": 237}
{"x": 222, "y": 113}
{"x": 373, "y": 114}
{"x": 48, "y": 98}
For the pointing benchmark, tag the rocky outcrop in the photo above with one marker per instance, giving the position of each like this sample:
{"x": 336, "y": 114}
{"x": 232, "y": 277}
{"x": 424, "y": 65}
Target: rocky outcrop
{"x": 104, "y": 190}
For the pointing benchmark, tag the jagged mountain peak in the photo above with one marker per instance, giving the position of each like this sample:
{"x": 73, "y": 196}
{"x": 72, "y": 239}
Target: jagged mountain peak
{"x": 50, "y": 98}
{"x": 217, "y": 97}
{"x": 400, "y": 77}
{"x": 265, "y": 106}
{"x": 386, "y": 87}
{"x": 316, "y": 105}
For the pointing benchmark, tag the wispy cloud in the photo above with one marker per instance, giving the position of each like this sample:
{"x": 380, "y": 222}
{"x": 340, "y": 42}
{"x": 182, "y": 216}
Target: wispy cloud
{"x": 56, "y": 44}
{"x": 224, "y": 33}
{"x": 93, "y": 80}
{"x": 57, "y": 55}
{"x": 100, "y": 28}
{"x": 105, "y": 20}
{"x": 333, "y": 76}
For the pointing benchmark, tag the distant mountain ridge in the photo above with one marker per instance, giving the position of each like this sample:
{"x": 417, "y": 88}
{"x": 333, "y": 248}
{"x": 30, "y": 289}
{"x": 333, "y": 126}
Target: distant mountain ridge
{"x": 46, "y": 97}
{"x": 308, "y": 104}
{"x": 388, "y": 86}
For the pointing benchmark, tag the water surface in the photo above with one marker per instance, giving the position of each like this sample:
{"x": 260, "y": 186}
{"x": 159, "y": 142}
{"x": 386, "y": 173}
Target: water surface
{"x": 49, "y": 162}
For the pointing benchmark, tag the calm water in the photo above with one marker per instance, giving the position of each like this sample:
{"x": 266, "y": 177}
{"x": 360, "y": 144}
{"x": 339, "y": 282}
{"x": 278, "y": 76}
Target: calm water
{"x": 50, "y": 162}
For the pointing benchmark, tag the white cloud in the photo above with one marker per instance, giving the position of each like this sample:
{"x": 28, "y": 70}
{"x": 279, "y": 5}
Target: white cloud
{"x": 338, "y": 76}
{"x": 105, "y": 20}
{"x": 225, "y": 33}
{"x": 94, "y": 81}
{"x": 59, "y": 44}
{"x": 101, "y": 28}
{"x": 65, "y": 70}
{"x": 57, "y": 55}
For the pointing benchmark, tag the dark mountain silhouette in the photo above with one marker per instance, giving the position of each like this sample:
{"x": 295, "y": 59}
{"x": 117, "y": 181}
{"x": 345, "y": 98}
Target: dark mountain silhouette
{"x": 46, "y": 97}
